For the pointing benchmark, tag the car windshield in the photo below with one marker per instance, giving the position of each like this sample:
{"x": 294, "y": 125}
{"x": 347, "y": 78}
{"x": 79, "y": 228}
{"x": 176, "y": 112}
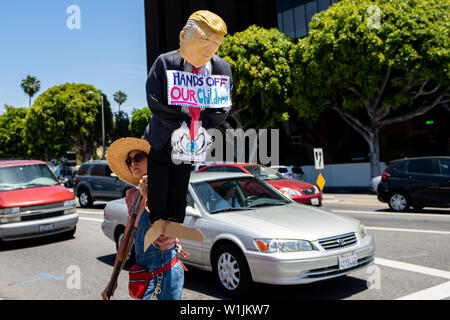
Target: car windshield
{"x": 264, "y": 173}
{"x": 26, "y": 176}
{"x": 236, "y": 194}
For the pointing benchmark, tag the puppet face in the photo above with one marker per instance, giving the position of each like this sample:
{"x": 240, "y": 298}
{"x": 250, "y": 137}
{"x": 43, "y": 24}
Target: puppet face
{"x": 199, "y": 47}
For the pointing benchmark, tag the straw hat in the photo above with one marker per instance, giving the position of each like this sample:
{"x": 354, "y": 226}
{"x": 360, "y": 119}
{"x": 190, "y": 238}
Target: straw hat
{"x": 117, "y": 154}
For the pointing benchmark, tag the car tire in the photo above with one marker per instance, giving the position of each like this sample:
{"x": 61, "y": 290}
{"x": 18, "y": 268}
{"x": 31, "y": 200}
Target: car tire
{"x": 398, "y": 202}
{"x": 231, "y": 271}
{"x": 85, "y": 198}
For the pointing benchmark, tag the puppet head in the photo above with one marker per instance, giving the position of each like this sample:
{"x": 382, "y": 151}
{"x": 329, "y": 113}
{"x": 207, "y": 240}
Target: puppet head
{"x": 201, "y": 37}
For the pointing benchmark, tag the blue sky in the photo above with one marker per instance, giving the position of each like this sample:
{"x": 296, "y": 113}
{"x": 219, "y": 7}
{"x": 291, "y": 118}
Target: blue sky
{"x": 108, "y": 51}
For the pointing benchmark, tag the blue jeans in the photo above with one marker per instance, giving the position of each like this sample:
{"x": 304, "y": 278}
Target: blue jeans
{"x": 172, "y": 281}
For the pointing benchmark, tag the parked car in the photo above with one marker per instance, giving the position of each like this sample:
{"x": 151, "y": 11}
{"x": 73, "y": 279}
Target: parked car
{"x": 95, "y": 181}
{"x": 416, "y": 182}
{"x": 260, "y": 235}
{"x": 299, "y": 191}
{"x": 64, "y": 173}
{"x": 290, "y": 172}
{"x": 33, "y": 203}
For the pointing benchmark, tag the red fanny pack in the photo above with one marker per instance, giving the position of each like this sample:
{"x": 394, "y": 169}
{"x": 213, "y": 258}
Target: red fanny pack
{"x": 140, "y": 278}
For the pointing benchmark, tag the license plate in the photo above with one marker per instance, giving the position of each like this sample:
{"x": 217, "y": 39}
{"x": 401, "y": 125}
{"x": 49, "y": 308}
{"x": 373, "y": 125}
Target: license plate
{"x": 348, "y": 260}
{"x": 46, "y": 227}
{"x": 315, "y": 201}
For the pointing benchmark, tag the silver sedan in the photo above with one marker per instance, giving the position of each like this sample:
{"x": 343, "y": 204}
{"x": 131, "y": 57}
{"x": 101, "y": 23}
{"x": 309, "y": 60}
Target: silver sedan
{"x": 254, "y": 233}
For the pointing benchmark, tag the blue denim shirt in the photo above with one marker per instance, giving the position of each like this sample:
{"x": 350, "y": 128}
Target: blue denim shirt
{"x": 153, "y": 258}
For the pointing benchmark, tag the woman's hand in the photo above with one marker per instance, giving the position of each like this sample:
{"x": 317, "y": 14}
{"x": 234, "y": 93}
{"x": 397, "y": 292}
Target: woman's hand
{"x": 165, "y": 243}
{"x": 143, "y": 187}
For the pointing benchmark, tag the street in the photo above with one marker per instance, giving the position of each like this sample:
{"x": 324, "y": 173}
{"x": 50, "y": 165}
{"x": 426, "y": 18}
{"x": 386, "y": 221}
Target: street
{"x": 411, "y": 261}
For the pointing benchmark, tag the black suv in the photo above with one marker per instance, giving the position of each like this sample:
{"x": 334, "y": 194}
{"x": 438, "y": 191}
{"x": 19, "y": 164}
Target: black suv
{"x": 95, "y": 181}
{"x": 416, "y": 182}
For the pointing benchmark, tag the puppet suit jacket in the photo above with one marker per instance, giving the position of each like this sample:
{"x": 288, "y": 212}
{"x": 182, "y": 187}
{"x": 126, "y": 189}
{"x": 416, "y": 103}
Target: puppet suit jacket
{"x": 165, "y": 119}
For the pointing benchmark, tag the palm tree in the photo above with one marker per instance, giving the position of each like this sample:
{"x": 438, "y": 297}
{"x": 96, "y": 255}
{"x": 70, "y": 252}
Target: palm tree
{"x": 30, "y": 85}
{"x": 120, "y": 97}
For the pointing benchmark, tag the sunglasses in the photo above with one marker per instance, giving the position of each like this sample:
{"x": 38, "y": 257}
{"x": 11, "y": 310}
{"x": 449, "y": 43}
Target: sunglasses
{"x": 138, "y": 157}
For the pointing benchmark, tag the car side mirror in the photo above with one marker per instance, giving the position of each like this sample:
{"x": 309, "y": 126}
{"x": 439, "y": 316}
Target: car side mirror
{"x": 113, "y": 175}
{"x": 190, "y": 211}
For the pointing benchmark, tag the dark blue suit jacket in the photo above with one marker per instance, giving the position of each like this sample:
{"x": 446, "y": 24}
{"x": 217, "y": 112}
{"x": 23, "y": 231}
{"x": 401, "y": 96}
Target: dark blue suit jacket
{"x": 165, "y": 119}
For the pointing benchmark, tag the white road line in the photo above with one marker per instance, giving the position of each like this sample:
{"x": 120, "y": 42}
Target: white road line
{"x": 438, "y": 292}
{"x": 408, "y": 230}
{"x": 413, "y": 268}
{"x": 412, "y": 214}
{"x": 90, "y": 219}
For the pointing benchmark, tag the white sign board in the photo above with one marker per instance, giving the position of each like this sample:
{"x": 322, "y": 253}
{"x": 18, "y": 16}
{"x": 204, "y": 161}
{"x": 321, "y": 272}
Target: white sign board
{"x": 318, "y": 159}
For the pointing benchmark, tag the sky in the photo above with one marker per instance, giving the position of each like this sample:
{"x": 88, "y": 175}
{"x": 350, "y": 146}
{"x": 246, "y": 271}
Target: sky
{"x": 104, "y": 45}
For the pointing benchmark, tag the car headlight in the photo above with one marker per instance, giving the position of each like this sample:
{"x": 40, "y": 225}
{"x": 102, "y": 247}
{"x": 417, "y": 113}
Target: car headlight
{"x": 362, "y": 231}
{"x": 70, "y": 203}
{"x": 10, "y": 210}
{"x": 277, "y": 245}
{"x": 290, "y": 192}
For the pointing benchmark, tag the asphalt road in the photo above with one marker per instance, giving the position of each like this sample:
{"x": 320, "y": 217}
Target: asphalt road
{"x": 412, "y": 261}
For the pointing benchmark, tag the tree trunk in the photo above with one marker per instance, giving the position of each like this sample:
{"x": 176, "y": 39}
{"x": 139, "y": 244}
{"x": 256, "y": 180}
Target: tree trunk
{"x": 374, "y": 145}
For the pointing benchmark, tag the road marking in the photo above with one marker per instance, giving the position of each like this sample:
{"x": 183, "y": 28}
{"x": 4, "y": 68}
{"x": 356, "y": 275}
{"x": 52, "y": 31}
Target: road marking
{"x": 412, "y": 267}
{"x": 374, "y": 204}
{"x": 407, "y": 230}
{"x": 90, "y": 219}
{"x": 410, "y": 214}
{"x": 438, "y": 292}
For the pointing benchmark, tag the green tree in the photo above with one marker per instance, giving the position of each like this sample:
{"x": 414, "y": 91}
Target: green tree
{"x": 12, "y": 124}
{"x": 121, "y": 124}
{"x": 374, "y": 65}
{"x": 67, "y": 117}
{"x": 31, "y": 85}
{"x": 120, "y": 97}
{"x": 139, "y": 121}
{"x": 259, "y": 60}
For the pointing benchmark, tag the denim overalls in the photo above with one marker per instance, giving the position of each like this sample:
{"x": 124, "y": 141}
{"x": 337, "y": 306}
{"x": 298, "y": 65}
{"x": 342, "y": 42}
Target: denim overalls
{"x": 172, "y": 281}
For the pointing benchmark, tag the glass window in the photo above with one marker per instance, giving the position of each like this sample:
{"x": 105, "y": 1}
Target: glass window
{"x": 297, "y": 170}
{"x": 280, "y": 22}
{"x": 300, "y": 21}
{"x": 288, "y": 23}
{"x": 98, "y": 170}
{"x": 421, "y": 166}
{"x": 233, "y": 169}
{"x": 83, "y": 169}
{"x": 397, "y": 168}
{"x": 214, "y": 169}
{"x": 323, "y": 5}
{"x": 223, "y": 195}
{"x": 311, "y": 10}
{"x": 26, "y": 176}
{"x": 264, "y": 173}
{"x": 444, "y": 166}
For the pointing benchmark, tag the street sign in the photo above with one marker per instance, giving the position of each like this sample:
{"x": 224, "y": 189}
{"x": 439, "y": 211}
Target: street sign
{"x": 320, "y": 182}
{"x": 318, "y": 158}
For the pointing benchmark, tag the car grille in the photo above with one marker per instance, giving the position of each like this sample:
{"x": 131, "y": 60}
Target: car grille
{"x": 42, "y": 207}
{"x": 338, "y": 241}
{"x": 42, "y": 216}
{"x": 308, "y": 192}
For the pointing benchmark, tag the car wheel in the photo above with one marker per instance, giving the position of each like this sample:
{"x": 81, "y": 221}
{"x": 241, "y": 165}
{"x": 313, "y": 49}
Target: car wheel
{"x": 85, "y": 198}
{"x": 231, "y": 271}
{"x": 398, "y": 202}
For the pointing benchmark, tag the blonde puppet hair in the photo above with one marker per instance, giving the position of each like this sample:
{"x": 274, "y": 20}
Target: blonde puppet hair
{"x": 208, "y": 19}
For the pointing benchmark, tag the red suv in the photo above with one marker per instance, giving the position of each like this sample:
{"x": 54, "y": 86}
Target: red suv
{"x": 298, "y": 191}
{"x": 33, "y": 202}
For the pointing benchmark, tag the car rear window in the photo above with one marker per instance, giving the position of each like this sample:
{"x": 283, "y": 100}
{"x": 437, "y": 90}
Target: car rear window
{"x": 83, "y": 169}
{"x": 26, "y": 176}
{"x": 424, "y": 166}
{"x": 397, "y": 168}
{"x": 297, "y": 170}
{"x": 282, "y": 170}
{"x": 214, "y": 169}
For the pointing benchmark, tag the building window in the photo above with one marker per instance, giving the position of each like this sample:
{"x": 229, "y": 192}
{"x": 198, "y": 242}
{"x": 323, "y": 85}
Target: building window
{"x": 288, "y": 23}
{"x": 300, "y": 21}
